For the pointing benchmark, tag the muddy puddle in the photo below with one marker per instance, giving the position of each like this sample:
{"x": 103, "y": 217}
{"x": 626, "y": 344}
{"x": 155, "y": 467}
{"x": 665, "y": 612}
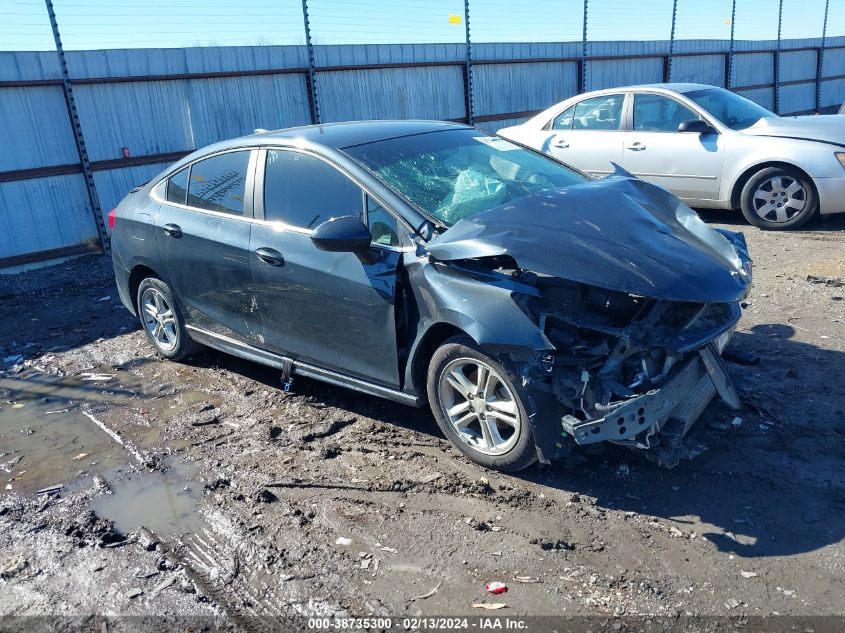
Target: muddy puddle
{"x": 54, "y": 430}
{"x": 163, "y": 501}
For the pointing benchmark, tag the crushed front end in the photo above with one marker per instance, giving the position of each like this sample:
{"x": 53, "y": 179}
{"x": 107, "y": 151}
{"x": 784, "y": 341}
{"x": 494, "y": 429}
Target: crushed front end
{"x": 626, "y": 369}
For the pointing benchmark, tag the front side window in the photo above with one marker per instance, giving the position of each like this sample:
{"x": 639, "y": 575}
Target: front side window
{"x": 383, "y": 226}
{"x": 656, "y": 113}
{"x": 218, "y": 183}
{"x": 177, "y": 186}
{"x": 458, "y": 173}
{"x": 304, "y": 191}
{"x": 598, "y": 113}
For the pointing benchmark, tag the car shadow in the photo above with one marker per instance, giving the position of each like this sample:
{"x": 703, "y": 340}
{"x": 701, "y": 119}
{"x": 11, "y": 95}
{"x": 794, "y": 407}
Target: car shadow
{"x": 773, "y": 486}
{"x": 735, "y": 219}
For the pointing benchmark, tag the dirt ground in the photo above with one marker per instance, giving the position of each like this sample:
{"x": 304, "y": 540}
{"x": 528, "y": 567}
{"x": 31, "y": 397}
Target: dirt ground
{"x": 259, "y": 504}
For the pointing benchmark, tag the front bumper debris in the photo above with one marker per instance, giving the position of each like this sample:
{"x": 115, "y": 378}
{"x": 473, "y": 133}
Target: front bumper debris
{"x": 680, "y": 400}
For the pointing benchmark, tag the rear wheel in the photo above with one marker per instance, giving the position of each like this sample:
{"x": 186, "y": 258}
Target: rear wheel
{"x": 163, "y": 323}
{"x": 478, "y": 407}
{"x": 779, "y": 198}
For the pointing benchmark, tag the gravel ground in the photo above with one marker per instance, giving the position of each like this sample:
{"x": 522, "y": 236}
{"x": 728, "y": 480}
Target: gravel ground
{"x": 260, "y": 505}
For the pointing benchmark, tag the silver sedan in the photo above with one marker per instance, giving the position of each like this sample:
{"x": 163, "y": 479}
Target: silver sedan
{"x": 709, "y": 146}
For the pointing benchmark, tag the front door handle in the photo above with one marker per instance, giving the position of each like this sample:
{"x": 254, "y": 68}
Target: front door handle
{"x": 271, "y": 256}
{"x": 561, "y": 144}
{"x": 636, "y": 146}
{"x": 173, "y": 230}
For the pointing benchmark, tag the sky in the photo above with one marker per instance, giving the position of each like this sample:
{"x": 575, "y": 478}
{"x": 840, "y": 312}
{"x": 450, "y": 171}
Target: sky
{"x": 97, "y": 24}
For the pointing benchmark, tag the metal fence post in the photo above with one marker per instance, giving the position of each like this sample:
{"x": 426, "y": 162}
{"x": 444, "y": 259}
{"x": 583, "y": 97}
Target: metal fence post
{"x": 777, "y": 60}
{"x": 820, "y": 60}
{"x": 672, "y": 39}
{"x": 311, "y": 87}
{"x": 729, "y": 70}
{"x": 468, "y": 90}
{"x": 78, "y": 138}
{"x": 583, "y": 77}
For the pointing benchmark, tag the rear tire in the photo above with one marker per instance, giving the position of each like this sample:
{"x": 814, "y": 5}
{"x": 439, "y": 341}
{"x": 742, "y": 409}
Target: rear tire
{"x": 478, "y": 407}
{"x": 162, "y": 321}
{"x": 779, "y": 198}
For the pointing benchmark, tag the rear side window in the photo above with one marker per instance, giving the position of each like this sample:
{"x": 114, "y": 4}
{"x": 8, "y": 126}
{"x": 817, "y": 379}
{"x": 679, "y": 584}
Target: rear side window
{"x": 304, "y": 191}
{"x": 218, "y": 183}
{"x": 177, "y": 186}
{"x": 563, "y": 121}
{"x": 598, "y": 113}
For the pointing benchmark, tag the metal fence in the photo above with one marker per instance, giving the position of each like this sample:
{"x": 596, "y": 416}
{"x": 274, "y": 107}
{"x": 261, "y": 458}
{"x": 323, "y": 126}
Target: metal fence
{"x": 133, "y": 90}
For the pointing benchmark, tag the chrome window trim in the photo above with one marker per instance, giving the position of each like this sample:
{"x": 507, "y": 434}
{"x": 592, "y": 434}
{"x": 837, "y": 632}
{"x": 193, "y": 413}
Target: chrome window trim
{"x": 248, "y": 191}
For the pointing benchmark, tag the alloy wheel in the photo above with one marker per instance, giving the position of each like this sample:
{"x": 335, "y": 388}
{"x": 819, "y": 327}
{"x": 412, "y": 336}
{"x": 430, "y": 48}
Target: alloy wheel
{"x": 159, "y": 319}
{"x": 779, "y": 199}
{"x": 479, "y": 406}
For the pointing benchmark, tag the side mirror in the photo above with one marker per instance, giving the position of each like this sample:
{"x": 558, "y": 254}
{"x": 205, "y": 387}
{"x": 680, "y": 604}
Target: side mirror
{"x": 696, "y": 126}
{"x": 346, "y": 234}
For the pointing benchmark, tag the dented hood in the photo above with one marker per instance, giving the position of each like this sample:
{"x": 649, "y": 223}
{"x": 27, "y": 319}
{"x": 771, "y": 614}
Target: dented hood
{"x": 619, "y": 233}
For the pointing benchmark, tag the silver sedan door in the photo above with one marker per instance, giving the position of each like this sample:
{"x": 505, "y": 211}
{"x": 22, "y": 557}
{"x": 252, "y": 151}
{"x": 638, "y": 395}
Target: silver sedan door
{"x": 686, "y": 163}
{"x": 589, "y": 134}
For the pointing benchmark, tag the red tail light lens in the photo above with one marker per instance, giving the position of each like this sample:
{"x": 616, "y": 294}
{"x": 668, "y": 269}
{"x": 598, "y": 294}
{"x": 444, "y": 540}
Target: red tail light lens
{"x": 112, "y": 218}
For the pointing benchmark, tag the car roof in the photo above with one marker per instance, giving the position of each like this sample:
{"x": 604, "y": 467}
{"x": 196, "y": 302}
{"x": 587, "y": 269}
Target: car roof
{"x": 351, "y": 133}
{"x": 669, "y": 87}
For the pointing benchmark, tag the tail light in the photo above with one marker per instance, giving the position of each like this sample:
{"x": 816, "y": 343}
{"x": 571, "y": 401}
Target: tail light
{"x": 112, "y": 218}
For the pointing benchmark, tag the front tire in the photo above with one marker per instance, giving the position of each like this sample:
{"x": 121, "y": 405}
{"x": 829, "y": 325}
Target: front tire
{"x": 779, "y": 198}
{"x": 162, "y": 322}
{"x": 478, "y": 408}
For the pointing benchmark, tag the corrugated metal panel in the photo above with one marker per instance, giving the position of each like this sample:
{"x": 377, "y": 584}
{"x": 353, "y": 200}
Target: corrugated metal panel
{"x": 400, "y": 93}
{"x": 705, "y": 69}
{"x": 157, "y": 117}
{"x": 834, "y": 62}
{"x": 612, "y": 73}
{"x": 798, "y": 98}
{"x": 34, "y": 128}
{"x": 159, "y": 61}
{"x": 347, "y": 54}
{"x": 763, "y": 96}
{"x": 524, "y": 50}
{"x": 797, "y": 65}
{"x": 43, "y": 214}
{"x": 114, "y": 184}
{"x": 833, "y": 93}
{"x": 18, "y": 65}
{"x": 751, "y": 69}
{"x": 520, "y": 87}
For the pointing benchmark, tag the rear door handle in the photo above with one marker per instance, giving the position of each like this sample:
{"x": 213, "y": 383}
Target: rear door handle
{"x": 636, "y": 146}
{"x": 560, "y": 144}
{"x": 173, "y": 230}
{"x": 271, "y": 256}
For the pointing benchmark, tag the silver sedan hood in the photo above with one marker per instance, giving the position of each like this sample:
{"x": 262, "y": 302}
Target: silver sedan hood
{"x": 829, "y": 128}
{"x": 619, "y": 233}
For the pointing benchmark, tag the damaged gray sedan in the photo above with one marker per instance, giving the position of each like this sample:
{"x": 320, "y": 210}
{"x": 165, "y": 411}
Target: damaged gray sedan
{"x": 530, "y": 307}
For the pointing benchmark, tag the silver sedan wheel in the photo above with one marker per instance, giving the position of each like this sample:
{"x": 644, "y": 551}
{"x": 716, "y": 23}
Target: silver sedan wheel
{"x": 480, "y": 406}
{"x": 159, "y": 320}
{"x": 779, "y": 199}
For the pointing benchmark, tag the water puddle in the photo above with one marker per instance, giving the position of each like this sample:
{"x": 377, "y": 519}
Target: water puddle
{"x": 53, "y": 430}
{"x": 163, "y": 501}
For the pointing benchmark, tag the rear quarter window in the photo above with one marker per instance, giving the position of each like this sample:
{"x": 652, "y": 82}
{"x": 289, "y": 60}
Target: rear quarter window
{"x": 177, "y": 186}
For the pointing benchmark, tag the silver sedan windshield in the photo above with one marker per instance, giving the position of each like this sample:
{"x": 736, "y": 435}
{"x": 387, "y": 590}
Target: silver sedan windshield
{"x": 728, "y": 107}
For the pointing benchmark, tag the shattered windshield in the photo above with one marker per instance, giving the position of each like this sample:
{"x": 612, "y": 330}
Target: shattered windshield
{"x": 454, "y": 174}
{"x": 731, "y": 109}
